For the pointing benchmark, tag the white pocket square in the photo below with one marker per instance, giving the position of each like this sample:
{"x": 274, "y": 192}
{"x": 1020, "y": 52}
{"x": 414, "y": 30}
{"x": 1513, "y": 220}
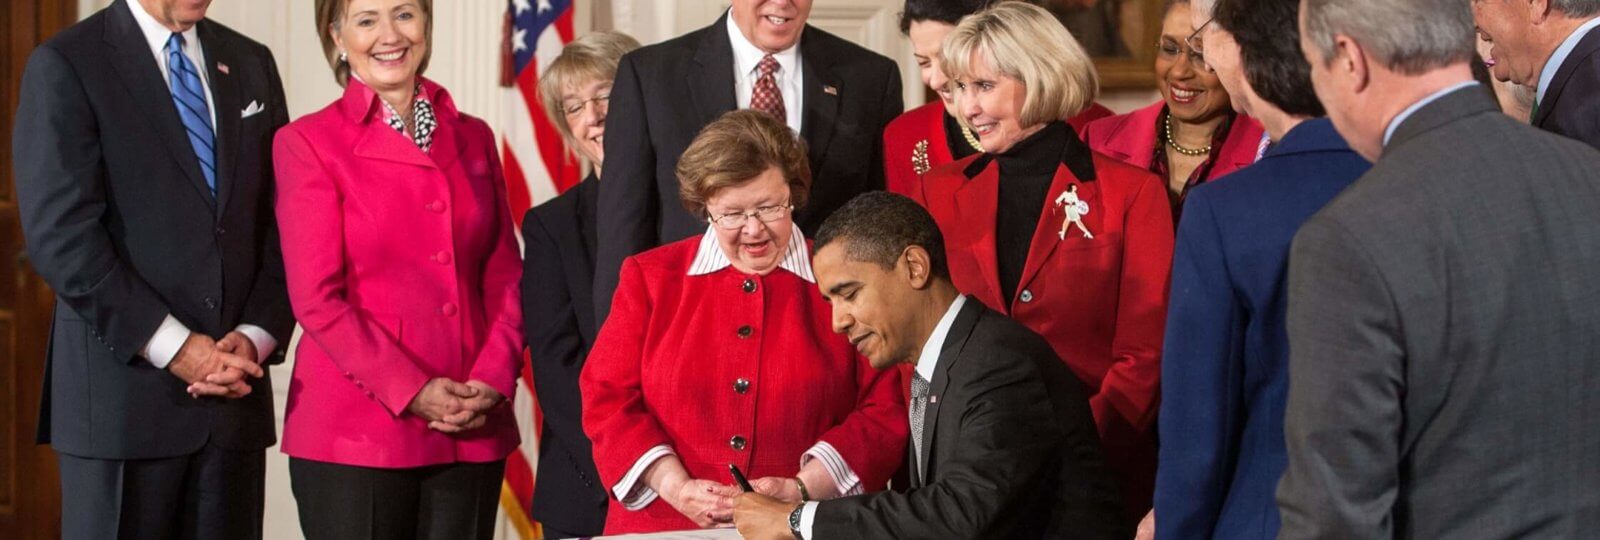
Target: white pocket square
{"x": 255, "y": 108}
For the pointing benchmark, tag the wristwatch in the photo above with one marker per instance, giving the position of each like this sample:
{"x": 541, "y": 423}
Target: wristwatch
{"x": 794, "y": 521}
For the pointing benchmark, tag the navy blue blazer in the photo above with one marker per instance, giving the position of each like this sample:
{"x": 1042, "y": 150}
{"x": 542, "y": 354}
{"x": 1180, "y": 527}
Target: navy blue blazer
{"x": 1571, "y": 106}
{"x": 1225, "y": 368}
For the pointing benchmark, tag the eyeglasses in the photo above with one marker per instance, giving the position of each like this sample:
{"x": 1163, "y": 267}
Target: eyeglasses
{"x": 736, "y": 220}
{"x": 575, "y": 107}
{"x": 1174, "y": 50}
{"x": 1194, "y": 42}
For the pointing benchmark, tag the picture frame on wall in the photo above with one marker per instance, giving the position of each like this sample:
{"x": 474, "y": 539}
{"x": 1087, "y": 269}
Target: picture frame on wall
{"x": 1120, "y": 35}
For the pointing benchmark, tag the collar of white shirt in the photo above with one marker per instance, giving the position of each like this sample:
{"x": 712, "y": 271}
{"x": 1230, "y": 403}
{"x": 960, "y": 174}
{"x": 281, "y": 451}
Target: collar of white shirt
{"x": 929, "y": 360}
{"x": 746, "y": 55}
{"x": 156, "y": 35}
{"x": 1551, "y": 66}
{"x": 710, "y": 258}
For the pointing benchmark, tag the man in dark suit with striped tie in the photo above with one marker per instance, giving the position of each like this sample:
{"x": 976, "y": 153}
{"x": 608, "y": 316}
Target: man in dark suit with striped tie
{"x": 144, "y": 184}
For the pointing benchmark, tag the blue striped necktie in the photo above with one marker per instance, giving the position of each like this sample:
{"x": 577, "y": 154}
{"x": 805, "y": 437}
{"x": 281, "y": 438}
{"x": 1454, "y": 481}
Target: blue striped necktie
{"x": 190, "y": 98}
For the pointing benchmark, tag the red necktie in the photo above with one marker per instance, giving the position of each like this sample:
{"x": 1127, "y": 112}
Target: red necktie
{"x": 765, "y": 96}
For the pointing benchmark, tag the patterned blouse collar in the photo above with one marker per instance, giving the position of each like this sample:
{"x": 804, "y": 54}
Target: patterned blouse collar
{"x": 422, "y": 111}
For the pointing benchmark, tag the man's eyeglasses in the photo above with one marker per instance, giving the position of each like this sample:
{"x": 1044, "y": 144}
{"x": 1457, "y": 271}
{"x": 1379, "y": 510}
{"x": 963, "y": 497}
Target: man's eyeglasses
{"x": 1194, "y": 42}
{"x": 736, "y": 220}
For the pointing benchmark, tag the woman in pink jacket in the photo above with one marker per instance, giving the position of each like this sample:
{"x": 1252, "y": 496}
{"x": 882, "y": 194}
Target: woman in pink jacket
{"x": 403, "y": 272}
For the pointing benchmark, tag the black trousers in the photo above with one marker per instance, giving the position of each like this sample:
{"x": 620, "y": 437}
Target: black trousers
{"x": 443, "y": 502}
{"x": 213, "y": 493}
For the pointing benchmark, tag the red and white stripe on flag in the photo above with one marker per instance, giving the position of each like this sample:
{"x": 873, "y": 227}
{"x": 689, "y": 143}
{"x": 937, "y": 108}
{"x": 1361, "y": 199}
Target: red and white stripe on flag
{"x": 537, "y": 168}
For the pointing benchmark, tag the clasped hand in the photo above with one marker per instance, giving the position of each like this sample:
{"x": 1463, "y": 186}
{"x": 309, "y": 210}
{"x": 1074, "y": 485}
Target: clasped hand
{"x": 454, "y": 407}
{"x": 217, "y": 367}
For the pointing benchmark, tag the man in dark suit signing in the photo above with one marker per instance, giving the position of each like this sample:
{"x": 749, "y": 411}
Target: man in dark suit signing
{"x": 1003, "y": 444}
{"x": 1551, "y": 46}
{"x": 144, "y": 183}
{"x": 1444, "y": 344}
{"x": 760, "y": 55}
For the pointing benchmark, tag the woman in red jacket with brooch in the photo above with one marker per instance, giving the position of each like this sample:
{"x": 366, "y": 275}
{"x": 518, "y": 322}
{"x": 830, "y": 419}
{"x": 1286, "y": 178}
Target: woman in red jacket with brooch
{"x": 1075, "y": 245}
{"x": 929, "y": 136}
{"x": 719, "y": 350}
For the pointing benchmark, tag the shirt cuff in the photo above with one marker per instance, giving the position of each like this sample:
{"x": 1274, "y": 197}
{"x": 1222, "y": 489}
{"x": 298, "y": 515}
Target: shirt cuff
{"x": 164, "y": 345}
{"x": 629, "y": 491}
{"x": 844, "y": 478}
{"x": 262, "y": 339}
{"x": 808, "y": 515}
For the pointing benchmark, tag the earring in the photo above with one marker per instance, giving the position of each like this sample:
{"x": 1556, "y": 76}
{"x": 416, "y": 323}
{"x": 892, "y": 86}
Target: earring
{"x": 344, "y": 57}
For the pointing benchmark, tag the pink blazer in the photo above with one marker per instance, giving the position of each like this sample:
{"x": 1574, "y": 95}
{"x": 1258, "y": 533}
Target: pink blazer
{"x": 402, "y": 267}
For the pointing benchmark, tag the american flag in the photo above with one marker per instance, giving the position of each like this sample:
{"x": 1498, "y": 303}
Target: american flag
{"x": 537, "y": 168}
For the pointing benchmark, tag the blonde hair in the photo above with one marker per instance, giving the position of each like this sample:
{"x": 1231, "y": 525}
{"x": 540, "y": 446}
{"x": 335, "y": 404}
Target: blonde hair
{"x": 1026, "y": 43}
{"x": 737, "y": 148}
{"x": 330, "y": 15}
{"x": 592, "y": 57}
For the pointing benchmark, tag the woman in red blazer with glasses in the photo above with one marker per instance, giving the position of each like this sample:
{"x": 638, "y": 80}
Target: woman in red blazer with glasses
{"x": 720, "y": 350}
{"x": 1074, "y": 244}
{"x": 403, "y": 270}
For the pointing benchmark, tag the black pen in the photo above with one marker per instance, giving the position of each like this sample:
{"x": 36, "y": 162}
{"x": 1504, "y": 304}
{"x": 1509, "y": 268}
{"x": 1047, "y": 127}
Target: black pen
{"x": 739, "y": 477}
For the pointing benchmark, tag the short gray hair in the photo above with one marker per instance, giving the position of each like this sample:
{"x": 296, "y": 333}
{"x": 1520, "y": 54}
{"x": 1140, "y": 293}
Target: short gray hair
{"x": 1576, "y": 9}
{"x": 1407, "y": 36}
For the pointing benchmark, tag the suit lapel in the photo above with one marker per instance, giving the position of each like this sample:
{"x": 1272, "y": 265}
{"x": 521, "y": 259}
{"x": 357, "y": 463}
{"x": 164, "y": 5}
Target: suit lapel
{"x": 580, "y": 270}
{"x": 949, "y": 353}
{"x": 225, "y": 95}
{"x": 1047, "y": 235}
{"x": 976, "y": 202}
{"x": 142, "y": 76}
{"x": 821, "y": 108}
{"x": 711, "y": 81}
{"x": 1588, "y": 46}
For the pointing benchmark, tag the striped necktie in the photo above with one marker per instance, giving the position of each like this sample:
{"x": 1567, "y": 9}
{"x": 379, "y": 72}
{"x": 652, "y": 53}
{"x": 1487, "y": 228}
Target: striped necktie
{"x": 188, "y": 95}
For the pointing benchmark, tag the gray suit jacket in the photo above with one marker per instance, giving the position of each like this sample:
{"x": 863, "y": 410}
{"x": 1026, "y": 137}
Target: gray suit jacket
{"x": 1444, "y": 331}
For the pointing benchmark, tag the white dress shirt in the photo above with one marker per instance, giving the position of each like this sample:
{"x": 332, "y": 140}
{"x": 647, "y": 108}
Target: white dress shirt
{"x": 746, "y": 56}
{"x": 927, "y": 363}
{"x": 169, "y": 337}
{"x": 709, "y": 258}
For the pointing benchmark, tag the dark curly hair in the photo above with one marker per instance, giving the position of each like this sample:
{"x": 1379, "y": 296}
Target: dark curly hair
{"x": 1268, "y": 32}
{"x": 946, "y": 11}
{"x": 878, "y": 226}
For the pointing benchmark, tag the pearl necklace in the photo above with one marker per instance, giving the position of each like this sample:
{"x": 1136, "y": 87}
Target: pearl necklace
{"x": 1191, "y": 152}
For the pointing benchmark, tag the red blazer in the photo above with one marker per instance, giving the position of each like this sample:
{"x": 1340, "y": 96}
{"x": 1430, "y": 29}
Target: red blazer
{"x": 924, "y": 126}
{"x": 402, "y": 267}
{"x": 1101, "y": 302}
{"x": 664, "y": 369}
{"x": 1131, "y": 139}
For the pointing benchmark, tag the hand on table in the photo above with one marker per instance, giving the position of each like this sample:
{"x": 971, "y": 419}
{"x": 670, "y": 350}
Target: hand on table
{"x": 707, "y": 503}
{"x": 760, "y": 517}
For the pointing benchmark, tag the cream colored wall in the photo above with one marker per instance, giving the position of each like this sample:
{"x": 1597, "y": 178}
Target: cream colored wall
{"x": 465, "y": 60}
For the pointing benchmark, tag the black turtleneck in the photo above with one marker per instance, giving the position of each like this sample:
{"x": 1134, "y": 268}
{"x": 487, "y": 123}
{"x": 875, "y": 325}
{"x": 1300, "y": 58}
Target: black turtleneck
{"x": 1026, "y": 171}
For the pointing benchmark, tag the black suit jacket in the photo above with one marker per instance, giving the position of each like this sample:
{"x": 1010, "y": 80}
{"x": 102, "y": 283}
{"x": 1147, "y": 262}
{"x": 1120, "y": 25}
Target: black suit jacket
{"x": 665, "y": 93}
{"x": 119, "y": 221}
{"x": 1011, "y": 450}
{"x": 558, "y": 316}
{"x": 1571, "y": 106}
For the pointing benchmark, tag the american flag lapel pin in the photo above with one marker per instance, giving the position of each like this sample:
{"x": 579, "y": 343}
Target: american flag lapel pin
{"x": 830, "y": 90}
{"x": 222, "y": 68}
{"x": 932, "y": 399}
